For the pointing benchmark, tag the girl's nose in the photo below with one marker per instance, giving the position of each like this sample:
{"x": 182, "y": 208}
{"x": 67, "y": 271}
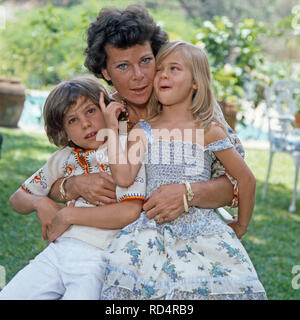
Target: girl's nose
{"x": 164, "y": 74}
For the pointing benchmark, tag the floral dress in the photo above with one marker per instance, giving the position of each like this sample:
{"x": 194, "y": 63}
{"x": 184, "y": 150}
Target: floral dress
{"x": 196, "y": 256}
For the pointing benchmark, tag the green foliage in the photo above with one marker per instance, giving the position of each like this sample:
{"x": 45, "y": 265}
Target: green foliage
{"x": 234, "y": 52}
{"x": 46, "y": 45}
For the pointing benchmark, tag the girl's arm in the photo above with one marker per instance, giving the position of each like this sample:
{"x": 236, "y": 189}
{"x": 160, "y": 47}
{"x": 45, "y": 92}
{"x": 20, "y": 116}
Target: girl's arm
{"x": 112, "y": 216}
{"x": 124, "y": 164}
{"x": 236, "y": 167}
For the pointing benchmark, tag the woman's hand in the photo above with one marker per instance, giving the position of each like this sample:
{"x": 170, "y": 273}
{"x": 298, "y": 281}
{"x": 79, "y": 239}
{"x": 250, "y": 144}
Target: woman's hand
{"x": 59, "y": 223}
{"x": 166, "y": 203}
{"x": 96, "y": 188}
{"x": 46, "y": 210}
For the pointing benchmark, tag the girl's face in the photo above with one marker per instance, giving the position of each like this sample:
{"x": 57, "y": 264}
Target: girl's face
{"x": 173, "y": 82}
{"x": 132, "y": 72}
{"x": 82, "y": 122}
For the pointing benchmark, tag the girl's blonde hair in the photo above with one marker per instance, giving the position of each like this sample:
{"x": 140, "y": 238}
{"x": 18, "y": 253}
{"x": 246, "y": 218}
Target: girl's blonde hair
{"x": 203, "y": 101}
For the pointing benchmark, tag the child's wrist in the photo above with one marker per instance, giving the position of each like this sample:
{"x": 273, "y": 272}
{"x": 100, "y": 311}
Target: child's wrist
{"x": 242, "y": 226}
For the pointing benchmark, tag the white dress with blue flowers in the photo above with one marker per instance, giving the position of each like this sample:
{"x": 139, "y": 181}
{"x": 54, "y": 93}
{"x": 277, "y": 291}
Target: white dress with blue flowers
{"x": 196, "y": 256}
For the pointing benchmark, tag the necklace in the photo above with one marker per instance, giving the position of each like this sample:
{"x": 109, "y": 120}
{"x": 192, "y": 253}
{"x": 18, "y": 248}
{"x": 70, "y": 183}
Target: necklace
{"x": 124, "y": 116}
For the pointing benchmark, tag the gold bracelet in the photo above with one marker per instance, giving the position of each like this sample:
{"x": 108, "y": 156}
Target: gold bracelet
{"x": 190, "y": 193}
{"x": 62, "y": 190}
{"x": 186, "y": 207}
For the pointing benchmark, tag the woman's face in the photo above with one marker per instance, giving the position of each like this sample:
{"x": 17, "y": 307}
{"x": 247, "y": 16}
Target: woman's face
{"x": 132, "y": 72}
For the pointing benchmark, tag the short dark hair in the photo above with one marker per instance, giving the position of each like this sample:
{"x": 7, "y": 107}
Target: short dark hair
{"x": 121, "y": 29}
{"x": 62, "y": 98}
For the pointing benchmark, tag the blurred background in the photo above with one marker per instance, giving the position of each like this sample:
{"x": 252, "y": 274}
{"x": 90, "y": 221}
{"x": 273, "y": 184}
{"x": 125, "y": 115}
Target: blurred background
{"x": 251, "y": 45}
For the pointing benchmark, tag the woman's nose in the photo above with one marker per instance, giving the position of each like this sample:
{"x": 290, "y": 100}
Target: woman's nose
{"x": 138, "y": 73}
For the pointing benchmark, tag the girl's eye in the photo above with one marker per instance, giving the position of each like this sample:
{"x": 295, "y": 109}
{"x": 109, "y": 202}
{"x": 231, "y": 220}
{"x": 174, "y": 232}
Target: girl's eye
{"x": 122, "y": 66}
{"x": 174, "y": 68}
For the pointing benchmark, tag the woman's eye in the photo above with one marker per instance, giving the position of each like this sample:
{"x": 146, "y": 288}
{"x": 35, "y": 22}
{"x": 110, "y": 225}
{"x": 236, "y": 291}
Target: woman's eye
{"x": 146, "y": 60}
{"x": 122, "y": 66}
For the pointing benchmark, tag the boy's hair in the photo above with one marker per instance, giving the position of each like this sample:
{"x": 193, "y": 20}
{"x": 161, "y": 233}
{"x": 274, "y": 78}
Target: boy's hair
{"x": 203, "y": 100}
{"x": 62, "y": 98}
{"x": 121, "y": 29}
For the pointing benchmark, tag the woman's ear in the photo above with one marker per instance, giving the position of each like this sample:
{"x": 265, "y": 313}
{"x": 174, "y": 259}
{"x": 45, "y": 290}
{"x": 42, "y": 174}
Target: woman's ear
{"x": 194, "y": 86}
{"x": 105, "y": 74}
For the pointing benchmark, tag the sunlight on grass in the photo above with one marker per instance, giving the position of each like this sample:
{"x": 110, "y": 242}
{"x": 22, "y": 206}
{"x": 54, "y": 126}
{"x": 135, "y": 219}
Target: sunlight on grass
{"x": 272, "y": 241}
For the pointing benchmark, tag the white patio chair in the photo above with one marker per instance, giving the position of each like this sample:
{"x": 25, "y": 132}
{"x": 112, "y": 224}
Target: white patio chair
{"x": 281, "y": 100}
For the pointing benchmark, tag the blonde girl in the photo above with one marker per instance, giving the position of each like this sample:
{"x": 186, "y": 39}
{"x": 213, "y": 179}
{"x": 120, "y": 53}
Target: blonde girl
{"x": 197, "y": 255}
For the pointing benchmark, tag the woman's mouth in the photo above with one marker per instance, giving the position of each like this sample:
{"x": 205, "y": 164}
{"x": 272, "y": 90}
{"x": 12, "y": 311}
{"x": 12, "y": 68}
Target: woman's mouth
{"x": 139, "y": 90}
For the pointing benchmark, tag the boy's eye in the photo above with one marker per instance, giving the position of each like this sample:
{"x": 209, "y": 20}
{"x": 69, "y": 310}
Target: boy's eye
{"x": 72, "y": 120}
{"x": 91, "y": 110}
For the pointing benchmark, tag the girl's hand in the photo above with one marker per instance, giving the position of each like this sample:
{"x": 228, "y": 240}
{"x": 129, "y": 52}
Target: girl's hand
{"x": 111, "y": 112}
{"x": 59, "y": 224}
{"x": 237, "y": 228}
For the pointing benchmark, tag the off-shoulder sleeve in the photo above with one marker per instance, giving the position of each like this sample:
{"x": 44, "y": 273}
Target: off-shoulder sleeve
{"x": 41, "y": 181}
{"x": 137, "y": 191}
{"x": 219, "y": 145}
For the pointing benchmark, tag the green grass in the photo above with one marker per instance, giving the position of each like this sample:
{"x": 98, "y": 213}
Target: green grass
{"x": 272, "y": 241}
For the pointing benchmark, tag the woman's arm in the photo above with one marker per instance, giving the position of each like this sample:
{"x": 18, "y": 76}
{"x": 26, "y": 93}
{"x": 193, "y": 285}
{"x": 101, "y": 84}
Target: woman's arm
{"x": 94, "y": 187}
{"x": 166, "y": 202}
{"x": 113, "y": 216}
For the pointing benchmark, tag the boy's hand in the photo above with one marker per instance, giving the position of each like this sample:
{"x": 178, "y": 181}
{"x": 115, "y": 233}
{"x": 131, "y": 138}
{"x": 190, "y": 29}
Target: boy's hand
{"x": 46, "y": 210}
{"x": 111, "y": 112}
{"x": 59, "y": 224}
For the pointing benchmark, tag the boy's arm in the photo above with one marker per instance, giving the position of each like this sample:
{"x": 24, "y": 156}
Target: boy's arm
{"x": 112, "y": 216}
{"x": 24, "y": 202}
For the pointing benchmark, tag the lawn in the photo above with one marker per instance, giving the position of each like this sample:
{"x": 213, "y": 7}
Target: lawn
{"x": 272, "y": 241}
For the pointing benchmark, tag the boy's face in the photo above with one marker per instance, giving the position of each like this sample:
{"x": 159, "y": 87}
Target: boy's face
{"x": 82, "y": 122}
